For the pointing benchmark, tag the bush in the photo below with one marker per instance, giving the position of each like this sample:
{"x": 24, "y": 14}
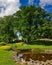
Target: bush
{"x": 16, "y": 45}
{"x": 19, "y": 44}
{"x": 2, "y": 43}
{"x": 5, "y": 47}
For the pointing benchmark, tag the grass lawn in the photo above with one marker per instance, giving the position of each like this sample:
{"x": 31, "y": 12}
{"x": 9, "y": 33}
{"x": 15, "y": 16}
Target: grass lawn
{"x": 6, "y": 58}
{"x": 41, "y": 46}
{"x": 32, "y": 46}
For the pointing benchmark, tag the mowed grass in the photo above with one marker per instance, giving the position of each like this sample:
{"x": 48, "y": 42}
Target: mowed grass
{"x": 30, "y": 46}
{"x": 6, "y": 58}
{"x": 41, "y": 46}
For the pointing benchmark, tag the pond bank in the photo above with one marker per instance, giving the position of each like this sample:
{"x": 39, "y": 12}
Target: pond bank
{"x": 30, "y": 58}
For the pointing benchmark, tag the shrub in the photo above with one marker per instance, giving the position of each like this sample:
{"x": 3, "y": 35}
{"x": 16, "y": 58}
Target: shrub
{"x": 19, "y": 44}
{"x": 14, "y": 46}
{"x": 20, "y": 47}
{"x": 5, "y": 47}
{"x": 2, "y": 43}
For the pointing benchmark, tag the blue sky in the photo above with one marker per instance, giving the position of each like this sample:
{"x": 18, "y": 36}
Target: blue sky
{"x": 26, "y": 2}
{"x": 9, "y": 7}
{"x": 46, "y": 4}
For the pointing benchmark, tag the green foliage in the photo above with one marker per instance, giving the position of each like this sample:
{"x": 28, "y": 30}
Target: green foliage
{"x": 36, "y": 45}
{"x": 2, "y": 43}
{"x": 19, "y": 44}
{"x": 33, "y": 22}
{"x": 6, "y": 29}
{"x": 5, "y": 48}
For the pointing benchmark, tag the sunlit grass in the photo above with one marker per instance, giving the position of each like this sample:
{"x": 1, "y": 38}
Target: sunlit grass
{"x": 5, "y": 47}
{"x": 41, "y": 46}
{"x": 6, "y": 58}
{"x": 30, "y": 46}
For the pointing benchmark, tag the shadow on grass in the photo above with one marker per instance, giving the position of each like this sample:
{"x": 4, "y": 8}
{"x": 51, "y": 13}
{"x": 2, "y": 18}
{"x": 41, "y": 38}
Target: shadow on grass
{"x": 46, "y": 43}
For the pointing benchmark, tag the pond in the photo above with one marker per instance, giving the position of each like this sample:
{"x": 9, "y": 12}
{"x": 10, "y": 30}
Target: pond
{"x": 34, "y": 54}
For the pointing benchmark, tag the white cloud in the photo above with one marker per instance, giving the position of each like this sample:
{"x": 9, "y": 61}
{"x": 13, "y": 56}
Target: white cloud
{"x": 8, "y": 7}
{"x": 43, "y": 3}
{"x": 31, "y": 2}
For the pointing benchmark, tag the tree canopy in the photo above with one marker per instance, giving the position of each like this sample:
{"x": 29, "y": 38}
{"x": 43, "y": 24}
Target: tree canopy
{"x": 31, "y": 21}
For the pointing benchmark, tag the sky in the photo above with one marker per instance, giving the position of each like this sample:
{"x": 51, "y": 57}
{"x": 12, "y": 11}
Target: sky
{"x": 9, "y": 7}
